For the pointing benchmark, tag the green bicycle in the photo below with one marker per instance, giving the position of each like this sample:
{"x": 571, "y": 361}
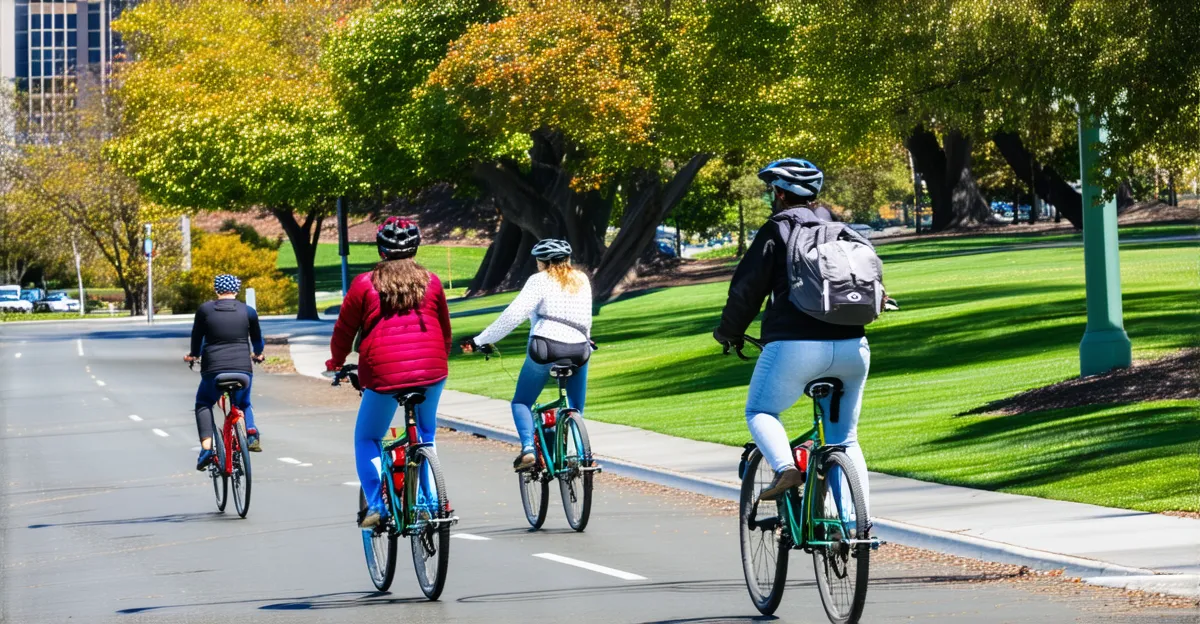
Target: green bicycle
{"x": 824, "y": 520}
{"x": 563, "y": 452}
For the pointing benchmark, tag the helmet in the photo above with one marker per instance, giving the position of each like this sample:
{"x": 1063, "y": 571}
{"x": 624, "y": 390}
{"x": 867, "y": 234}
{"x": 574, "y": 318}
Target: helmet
{"x": 552, "y": 250}
{"x": 794, "y": 175}
{"x": 225, "y": 284}
{"x": 397, "y": 238}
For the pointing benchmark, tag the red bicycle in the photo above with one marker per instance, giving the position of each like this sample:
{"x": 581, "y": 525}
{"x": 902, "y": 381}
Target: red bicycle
{"x": 231, "y": 461}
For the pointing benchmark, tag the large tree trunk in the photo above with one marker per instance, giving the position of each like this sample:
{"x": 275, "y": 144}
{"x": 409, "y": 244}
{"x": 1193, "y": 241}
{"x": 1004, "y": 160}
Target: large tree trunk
{"x": 953, "y": 194}
{"x": 1125, "y": 198}
{"x": 1046, "y": 181}
{"x": 650, "y": 202}
{"x": 930, "y": 161}
{"x": 303, "y": 237}
{"x": 498, "y": 260}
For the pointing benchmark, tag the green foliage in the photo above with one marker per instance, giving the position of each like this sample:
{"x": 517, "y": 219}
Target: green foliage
{"x": 859, "y": 191}
{"x": 214, "y": 254}
{"x": 250, "y": 236}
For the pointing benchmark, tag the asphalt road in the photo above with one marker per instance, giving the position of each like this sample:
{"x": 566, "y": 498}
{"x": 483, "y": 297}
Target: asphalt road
{"x": 104, "y": 519}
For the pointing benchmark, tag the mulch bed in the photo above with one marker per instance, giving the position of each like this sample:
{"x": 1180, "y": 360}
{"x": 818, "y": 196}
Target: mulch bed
{"x": 1176, "y": 376}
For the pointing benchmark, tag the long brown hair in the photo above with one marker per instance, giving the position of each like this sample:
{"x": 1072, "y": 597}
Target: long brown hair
{"x": 400, "y": 283}
{"x": 567, "y": 277}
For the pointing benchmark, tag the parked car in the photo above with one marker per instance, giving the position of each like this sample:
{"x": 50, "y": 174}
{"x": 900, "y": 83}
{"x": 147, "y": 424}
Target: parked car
{"x": 57, "y": 301}
{"x": 11, "y": 301}
{"x": 33, "y": 295}
{"x": 861, "y": 228}
{"x": 665, "y": 248}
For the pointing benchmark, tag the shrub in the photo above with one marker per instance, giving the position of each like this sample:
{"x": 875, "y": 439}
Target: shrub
{"x": 250, "y": 236}
{"x": 213, "y": 254}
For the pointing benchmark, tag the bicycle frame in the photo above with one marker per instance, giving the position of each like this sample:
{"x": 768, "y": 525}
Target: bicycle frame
{"x": 404, "y": 506}
{"x": 806, "y": 525}
{"x": 552, "y": 455}
{"x": 232, "y": 416}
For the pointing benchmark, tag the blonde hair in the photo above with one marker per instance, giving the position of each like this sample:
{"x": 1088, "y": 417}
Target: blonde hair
{"x": 400, "y": 283}
{"x": 568, "y": 278}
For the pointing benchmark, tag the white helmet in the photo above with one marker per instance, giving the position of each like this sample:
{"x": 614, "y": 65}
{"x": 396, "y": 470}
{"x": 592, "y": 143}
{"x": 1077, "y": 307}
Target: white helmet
{"x": 794, "y": 175}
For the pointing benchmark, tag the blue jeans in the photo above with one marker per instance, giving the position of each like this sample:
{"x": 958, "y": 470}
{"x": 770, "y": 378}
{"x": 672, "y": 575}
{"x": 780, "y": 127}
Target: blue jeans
{"x": 208, "y": 394}
{"x": 783, "y": 370}
{"x": 530, "y": 384}
{"x": 375, "y": 415}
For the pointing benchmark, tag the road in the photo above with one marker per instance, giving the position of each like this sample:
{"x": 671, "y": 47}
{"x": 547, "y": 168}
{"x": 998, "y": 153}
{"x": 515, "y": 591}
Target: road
{"x": 104, "y": 519}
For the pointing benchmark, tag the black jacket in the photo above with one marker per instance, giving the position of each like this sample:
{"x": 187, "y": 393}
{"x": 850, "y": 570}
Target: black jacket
{"x": 223, "y": 333}
{"x": 763, "y": 272}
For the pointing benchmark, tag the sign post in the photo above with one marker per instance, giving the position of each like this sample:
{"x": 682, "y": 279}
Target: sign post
{"x": 343, "y": 244}
{"x": 1105, "y": 344}
{"x": 148, "y": 247}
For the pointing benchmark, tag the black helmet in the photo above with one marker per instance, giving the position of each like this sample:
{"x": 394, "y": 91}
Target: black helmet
{"x": 552, "y": 250}
{"x": 397, "y": 238}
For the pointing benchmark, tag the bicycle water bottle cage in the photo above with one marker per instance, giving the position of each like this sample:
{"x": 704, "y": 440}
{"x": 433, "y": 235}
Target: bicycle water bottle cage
{"x": 410, "y": 397}
{"x": 232, "y": 382}
{"x": 826, "y": 387}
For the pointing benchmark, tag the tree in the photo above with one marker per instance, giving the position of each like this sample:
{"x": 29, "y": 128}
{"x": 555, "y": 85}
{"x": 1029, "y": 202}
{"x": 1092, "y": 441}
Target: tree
{"x": 226, "y": 107}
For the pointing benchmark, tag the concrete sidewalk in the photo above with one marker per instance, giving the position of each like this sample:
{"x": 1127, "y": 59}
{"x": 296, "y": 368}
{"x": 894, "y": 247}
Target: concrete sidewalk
{"x": 1102, "y": 545}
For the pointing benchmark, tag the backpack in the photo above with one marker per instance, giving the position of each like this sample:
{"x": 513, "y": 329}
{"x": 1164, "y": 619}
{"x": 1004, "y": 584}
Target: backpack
{"x": 834, "y": 274}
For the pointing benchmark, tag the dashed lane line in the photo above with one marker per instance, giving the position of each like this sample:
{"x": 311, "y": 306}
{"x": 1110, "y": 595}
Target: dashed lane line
{"x": 18, "y": 356}
{"x": 79, "y": 346}
{"x": 621, "y": 574}
{"x": 135, "y": 418}
{"x": 100, "y": 383}
{"x": 160, "y": 433}
{"x": 470, "y": 537}
{"x": 289, "y": 460}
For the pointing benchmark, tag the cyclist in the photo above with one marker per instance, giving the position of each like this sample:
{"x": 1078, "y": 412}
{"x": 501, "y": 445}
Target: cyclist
{"x": 799, "y": 348}
{"x": 224, "y": 332}
{"x": 557, "y": 300}
{"x": 400, "y": 309}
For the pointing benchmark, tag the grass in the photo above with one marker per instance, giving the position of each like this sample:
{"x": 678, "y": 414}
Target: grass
{"x": 463, "y": 262}
{"x": 974, "y": 328}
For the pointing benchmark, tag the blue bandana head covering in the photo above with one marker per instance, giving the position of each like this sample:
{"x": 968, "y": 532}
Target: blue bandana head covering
{"x": 226, "y": 284}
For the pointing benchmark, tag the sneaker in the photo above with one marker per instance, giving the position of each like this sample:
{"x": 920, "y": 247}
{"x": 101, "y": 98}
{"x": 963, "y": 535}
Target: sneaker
{"x": 370, "y": 520}
{"x": 784, "y": 480}
{"x": 205, "y": 458}
{"x": 525, "y": 460}
{"x": 252, "y": 441}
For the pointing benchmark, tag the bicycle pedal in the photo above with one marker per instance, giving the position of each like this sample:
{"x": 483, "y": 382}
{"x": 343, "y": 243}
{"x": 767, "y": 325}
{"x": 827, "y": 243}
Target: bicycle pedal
{"x": 597, "y": 468}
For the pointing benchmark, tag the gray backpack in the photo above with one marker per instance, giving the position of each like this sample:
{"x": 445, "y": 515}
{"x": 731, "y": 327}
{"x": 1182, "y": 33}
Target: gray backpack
{"x": 834, "y": 273}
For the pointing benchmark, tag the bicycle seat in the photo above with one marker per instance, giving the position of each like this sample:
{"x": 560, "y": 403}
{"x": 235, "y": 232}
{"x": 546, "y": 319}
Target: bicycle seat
{"x": 562, "y": 368}
{"x": 823, "y": 387}
{"x": 410, "y": 397}
{"x": 232, "y": 382}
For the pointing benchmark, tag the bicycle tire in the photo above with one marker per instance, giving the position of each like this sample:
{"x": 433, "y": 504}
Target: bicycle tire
{"x": 378, "y": 542}
{"x": 241, "y": 470}
{"x": 766, "y": 546}
{"x": 842, "y": 600}
{"x": 535, "y": 492}
{"x": 575, "y": 485}
{"x": 216, "y": 470}
{"x": 432, "y": 542}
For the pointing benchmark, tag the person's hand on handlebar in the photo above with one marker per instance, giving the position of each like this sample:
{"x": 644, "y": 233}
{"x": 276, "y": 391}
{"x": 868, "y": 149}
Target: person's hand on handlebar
{"x": 189, "y": 358}
{"x": 469, "y": 345}
{"x": 258, "y": 358}
{"x": 729, "y": 342}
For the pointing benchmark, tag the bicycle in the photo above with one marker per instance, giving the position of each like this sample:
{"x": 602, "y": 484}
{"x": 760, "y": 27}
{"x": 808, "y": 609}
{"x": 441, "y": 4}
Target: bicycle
{"x": 562, "y": 452}
{"x": 414, "y": 491}
{"x": 819, "y": 519}
{"x": 231, "y": 460}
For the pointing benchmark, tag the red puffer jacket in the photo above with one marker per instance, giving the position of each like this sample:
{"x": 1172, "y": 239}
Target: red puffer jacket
{"x": 400, "y": 350}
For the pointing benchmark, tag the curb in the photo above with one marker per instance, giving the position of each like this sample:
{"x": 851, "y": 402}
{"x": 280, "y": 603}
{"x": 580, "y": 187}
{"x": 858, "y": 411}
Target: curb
{"x": 947, "y": 542}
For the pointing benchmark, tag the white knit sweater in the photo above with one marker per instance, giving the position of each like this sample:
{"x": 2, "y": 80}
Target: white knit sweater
{"x": 541, "y": 297}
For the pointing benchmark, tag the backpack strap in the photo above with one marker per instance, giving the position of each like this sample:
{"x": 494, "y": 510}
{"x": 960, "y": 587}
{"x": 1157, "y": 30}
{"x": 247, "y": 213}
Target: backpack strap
{"x": 572, "y": 324}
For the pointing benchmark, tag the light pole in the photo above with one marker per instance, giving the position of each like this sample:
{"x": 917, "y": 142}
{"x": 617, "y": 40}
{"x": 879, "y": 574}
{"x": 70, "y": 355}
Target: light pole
{"x": 148, "y": 247}
{"x": 1105, "y": 344}
{"x": 343, "y": 244}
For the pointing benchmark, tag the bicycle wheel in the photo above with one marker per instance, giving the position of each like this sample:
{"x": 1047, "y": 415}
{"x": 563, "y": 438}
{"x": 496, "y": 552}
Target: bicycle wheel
{"x": 241, "y": 470}
{"x": 842, "y": 570}
{"x": 216, "y": 470}
{"x": 535, "y": 491}
{"x": 379, "y": 545}
{"x": 431, "y": 543}
{"x": 764, "y": 536}
{"x": 575, "y": 484}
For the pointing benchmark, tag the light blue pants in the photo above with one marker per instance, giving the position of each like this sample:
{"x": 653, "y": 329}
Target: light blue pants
{"x": 375, "y": 415}
{"x": 783, "y": 370}
{"x": 530, "y": 384}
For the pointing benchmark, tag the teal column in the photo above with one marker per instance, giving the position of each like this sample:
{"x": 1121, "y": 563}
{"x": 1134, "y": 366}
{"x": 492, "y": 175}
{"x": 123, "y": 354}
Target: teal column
{"x": 1105, "y": 344}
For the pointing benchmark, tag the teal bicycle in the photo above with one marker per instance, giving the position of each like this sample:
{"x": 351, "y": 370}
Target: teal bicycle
{"x": 826, "y": 517}
{"x": 563, "y": 452}
{"x": 414, "y": 492}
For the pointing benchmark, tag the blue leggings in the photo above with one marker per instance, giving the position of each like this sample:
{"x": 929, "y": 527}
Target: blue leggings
{"x": 375, "y": 415}
{"x": 208, "y": 394}
{"x": 530, "y": 384}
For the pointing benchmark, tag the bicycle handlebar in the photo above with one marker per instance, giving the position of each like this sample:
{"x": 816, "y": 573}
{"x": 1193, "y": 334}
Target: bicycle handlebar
{"x": 747, "y": 338}
{"x": 347, "y": 372}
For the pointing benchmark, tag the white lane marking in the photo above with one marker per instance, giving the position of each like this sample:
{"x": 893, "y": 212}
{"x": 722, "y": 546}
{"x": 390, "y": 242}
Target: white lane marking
{"x": 470, "y": 537}
{"x": 100, "y": 383}
{"x": 79, "y": 346}
{"x": 160, "y": 433}
{"x": 625, "y": 576}
{"x": 305, "y": 465}
{"x": 289, "y": 460}
{"x": 135, "y": 418}
{"x": 352, "y": 483}
{"x": 88, "y": 369}
{"x": 18, "y": 356}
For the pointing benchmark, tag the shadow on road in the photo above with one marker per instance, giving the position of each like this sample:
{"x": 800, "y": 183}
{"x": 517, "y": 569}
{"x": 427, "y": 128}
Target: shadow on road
{"x": 167, "y": 519}
{"x": 338, "y": 600}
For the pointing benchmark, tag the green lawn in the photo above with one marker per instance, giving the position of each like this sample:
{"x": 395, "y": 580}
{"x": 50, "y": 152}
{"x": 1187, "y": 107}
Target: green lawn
{"x": 973, "y": 329}
{"x": 462, "y": 262}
